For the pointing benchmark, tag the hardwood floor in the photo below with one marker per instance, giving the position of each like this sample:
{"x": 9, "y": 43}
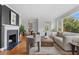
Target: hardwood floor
{"x": 20, "y": 49}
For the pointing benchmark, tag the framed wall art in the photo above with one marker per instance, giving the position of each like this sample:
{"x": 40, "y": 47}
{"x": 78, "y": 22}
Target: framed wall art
{"x": 13, "y": 18}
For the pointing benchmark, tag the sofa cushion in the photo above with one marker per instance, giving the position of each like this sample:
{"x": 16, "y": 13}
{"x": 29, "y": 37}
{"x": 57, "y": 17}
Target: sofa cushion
{"x": 59, "y": 39}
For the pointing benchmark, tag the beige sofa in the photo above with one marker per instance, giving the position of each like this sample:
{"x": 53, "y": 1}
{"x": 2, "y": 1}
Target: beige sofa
{"x": 63, "y": 41}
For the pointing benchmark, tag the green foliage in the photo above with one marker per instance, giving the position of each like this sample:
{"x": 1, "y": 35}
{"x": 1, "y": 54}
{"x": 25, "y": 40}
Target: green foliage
{"x": 22, "y": 29}
{"x": 71, "y": 24}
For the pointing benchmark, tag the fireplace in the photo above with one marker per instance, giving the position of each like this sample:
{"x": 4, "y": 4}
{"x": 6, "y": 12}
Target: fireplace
{"x": 12, "y": 42}
{"x": 10, "y": 36}
{"x": 12, "y": 39}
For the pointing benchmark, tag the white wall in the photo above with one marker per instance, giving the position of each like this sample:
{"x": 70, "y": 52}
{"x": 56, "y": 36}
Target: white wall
{"x": 41, "y": 22}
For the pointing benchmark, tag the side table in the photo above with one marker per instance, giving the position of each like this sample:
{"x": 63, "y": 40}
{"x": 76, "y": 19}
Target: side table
{"x": 73, "y": 46}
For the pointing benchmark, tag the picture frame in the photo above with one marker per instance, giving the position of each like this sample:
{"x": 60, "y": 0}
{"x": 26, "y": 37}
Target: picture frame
{"x": 13, "y": 18}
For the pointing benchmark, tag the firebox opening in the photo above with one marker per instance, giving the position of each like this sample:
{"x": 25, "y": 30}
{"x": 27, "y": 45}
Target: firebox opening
{"x": 12, "y": 38}
{"x": 12, "y": 41}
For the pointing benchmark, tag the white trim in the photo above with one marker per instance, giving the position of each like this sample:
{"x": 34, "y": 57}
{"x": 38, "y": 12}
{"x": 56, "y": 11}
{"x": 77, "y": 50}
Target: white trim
{"x": 12, "y": 8}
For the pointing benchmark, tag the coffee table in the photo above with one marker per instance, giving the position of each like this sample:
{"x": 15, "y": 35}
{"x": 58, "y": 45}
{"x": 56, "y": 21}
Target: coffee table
{"x": 47, "y": 42}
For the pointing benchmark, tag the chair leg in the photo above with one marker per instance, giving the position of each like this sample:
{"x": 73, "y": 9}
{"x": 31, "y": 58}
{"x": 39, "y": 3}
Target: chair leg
{"x": 38, "y": 47}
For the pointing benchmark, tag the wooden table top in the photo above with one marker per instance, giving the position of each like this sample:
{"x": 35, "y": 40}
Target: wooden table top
{"x": 47, "y": 39}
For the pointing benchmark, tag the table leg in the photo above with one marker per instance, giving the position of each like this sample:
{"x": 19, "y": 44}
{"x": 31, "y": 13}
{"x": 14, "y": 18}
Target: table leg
{"x": 77, "y": 50}
{"x": 73, "y": 48}
{"x": 38, "y": 46}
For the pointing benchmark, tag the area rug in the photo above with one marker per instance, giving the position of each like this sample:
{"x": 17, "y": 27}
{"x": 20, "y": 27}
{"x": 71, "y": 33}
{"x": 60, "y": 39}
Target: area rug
{"x": 40, "y": 53}
{"x": 45, "y": 51}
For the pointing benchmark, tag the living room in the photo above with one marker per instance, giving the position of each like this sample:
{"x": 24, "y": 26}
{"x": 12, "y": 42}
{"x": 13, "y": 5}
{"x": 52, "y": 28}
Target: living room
{"x": 52, "y": 21}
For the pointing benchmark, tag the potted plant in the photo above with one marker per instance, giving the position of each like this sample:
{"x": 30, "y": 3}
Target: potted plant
{"x": 22, "y": 30}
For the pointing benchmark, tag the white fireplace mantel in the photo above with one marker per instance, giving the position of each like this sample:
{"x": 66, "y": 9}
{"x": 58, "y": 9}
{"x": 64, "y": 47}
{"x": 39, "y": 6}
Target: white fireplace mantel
{"x": 10, "y": 27}
{"x": 6, "y": 28}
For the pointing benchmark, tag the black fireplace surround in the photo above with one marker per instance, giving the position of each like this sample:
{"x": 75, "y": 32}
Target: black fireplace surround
{"x": 12, "y": 39}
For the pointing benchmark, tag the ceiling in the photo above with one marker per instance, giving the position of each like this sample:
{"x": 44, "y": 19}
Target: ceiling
{"x": 42, "y": 11}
